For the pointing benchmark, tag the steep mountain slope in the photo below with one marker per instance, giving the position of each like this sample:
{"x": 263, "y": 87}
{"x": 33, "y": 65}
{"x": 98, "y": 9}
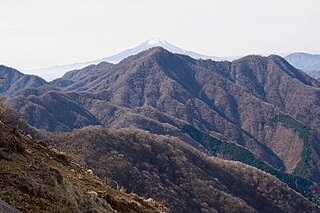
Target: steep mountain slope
{"x": 181, "y": 176}
{"x": 14, "y": 81}
{"x": 310, "y": 63}
{"x": 43, "y": 105}
{"x": 232, "y": 151}
{"x": 234, "y": 100}
{"x": 51, "y": 73}
{"x": 53, "y": 110}
{"x": 158, "y": 91}
{"x": 260, "y": 103}
{"x": 35, "y": 178}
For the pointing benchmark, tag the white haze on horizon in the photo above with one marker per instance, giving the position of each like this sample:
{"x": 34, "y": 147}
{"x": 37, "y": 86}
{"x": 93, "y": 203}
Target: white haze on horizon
{"x": 44, "y": 33}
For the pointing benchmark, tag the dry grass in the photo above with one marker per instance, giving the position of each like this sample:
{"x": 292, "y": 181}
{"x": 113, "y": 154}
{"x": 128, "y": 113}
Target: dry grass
{"x": 34, "y": 178}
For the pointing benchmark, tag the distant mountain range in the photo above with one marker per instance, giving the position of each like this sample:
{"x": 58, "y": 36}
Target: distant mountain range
{"x": 51, "y": 73}
{"x": 309, "y": 63}
{"x": 258, "y": 110}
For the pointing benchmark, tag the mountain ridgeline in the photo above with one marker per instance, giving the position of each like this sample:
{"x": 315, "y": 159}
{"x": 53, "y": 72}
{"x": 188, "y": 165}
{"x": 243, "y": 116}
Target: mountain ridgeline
{"x": 262, "y": 107}
{"x": 51, "y": 73}
{"x": 309, "y": 63}
{"x": 184, "y": 178}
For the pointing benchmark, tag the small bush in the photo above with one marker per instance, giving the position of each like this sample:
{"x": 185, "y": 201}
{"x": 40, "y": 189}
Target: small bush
{"x": 9, "y": 116}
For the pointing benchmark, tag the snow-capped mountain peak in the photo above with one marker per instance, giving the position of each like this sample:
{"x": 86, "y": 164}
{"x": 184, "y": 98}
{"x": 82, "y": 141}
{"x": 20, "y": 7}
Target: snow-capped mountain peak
{"x": 52, "y": 73}
{"x": 156, "y": 42}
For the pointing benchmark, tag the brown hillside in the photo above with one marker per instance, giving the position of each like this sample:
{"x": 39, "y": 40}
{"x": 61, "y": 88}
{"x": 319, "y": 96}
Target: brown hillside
{"x": 247, "y": 101}
{"x": 233, "y": 99}
{"x": 177, "y": 174}
{"x": 34, "y": 178}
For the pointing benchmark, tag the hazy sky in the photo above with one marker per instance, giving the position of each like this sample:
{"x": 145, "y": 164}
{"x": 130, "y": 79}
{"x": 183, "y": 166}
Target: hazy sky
{"x": 42, "y": 33}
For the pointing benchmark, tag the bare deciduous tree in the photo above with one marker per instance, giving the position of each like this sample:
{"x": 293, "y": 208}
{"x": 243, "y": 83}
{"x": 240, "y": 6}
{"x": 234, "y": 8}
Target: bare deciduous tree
{"x": 9, "y": 116}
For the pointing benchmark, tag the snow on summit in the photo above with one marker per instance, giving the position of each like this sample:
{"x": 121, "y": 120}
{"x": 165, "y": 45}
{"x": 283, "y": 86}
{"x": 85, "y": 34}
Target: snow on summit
{"x": 52, "y": 73}
{"x": 156, "y": 42}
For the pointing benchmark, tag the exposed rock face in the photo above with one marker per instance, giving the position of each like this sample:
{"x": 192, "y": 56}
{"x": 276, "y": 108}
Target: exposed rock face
{"x": 6, "y": 208}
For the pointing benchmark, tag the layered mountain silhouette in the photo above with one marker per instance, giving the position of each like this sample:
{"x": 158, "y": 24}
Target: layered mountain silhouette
{"x": 220, "y": 97}
{"x": 309, "y": 63}
{"x": 38, "y": 178}
{"x": 42, "y": 104}
{"x": 260, "y": 106}
{"x": 51, "y": 73}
